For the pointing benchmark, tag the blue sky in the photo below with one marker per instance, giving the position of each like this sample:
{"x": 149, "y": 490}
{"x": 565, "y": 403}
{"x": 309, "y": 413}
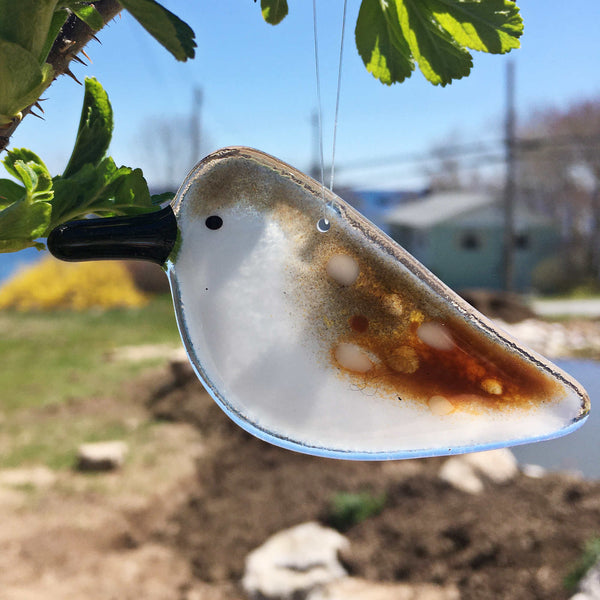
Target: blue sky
{"x": 258, "y": 85}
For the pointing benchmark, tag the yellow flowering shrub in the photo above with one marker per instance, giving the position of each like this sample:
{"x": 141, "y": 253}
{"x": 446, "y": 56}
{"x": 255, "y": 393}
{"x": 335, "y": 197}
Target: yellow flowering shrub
{"x": 52, "y": 284}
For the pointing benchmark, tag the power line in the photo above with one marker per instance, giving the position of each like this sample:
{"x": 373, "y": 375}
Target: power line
{"x": 490, "y": 151}
{"x": 436, "y": 154}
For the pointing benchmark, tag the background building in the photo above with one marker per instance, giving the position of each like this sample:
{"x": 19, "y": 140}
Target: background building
{"x": 459, "y": 237}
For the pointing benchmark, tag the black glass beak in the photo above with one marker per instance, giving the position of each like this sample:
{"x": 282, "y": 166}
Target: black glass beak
{"x": 150, "y": 236}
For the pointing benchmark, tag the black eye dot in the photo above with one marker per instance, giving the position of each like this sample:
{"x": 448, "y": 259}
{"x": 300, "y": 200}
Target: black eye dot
{"x": 214, "y": 222}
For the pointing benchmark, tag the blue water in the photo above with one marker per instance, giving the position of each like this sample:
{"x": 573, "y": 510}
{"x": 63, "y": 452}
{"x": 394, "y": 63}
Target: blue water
{"x": 12, "y": 261}
{"x": 579, "y": 451}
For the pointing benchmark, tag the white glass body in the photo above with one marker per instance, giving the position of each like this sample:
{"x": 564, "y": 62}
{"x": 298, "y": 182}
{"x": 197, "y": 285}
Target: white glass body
{"x": 332, "y": 340}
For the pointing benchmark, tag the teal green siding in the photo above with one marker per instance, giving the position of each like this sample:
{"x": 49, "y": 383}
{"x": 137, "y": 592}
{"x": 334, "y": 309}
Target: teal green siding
{"x": 471, "y": 256}
{"x": 463, "y": 267}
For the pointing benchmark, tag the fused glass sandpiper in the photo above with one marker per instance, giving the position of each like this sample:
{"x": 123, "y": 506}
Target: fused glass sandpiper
{"x": 315, "y": 331}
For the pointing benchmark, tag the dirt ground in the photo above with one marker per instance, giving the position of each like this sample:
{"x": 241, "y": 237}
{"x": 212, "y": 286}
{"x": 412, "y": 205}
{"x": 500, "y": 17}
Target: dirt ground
{"x": 177, "y": 522}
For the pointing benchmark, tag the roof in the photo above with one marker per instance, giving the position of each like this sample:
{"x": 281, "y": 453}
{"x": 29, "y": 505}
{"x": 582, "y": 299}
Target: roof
{"x": 437, "y": 208}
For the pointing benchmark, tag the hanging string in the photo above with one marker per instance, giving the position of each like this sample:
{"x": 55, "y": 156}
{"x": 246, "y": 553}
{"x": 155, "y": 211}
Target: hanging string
{"x": 337, "y": 96}
{"x": 319, "y": 104}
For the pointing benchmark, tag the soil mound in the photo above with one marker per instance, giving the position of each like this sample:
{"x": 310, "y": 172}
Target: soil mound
{"x": 512, "y": 541}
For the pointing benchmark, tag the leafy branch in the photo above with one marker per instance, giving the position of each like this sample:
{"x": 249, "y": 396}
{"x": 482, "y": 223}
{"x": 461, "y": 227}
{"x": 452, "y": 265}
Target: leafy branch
{"x": 90, "y": 184}
{"x": 39, "y": 39}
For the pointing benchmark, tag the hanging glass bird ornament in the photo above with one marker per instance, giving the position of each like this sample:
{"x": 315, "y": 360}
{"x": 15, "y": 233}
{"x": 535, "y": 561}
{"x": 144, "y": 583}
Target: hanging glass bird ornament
{"x": 315, "y": 331}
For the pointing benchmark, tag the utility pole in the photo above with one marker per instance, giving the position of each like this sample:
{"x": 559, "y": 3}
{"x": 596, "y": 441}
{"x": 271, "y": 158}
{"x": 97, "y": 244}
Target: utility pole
{"x": 508, "y": 261}
{"x": 195, "y": 126}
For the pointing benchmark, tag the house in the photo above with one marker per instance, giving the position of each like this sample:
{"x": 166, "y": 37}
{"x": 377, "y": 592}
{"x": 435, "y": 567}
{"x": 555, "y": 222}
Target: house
{"x": 459, "y": 237}
{"x": 376, "y": 204}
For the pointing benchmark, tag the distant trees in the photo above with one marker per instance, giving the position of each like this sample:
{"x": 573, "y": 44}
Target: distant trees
{"x": 170, "y": 145}
{"x": 164, "y": 147}
{"x": 445, "y": 170}
{"x": 559, "y": 174}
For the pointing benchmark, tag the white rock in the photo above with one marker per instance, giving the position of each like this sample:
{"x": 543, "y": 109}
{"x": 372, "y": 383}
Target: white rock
{"x": 144, "y": 352}
{"x": 555, "y": 340}
{"x": 293, "y": 562}
{"x": 351, "y": 588}
{"x": 533, "y": 471}
{"x": 498, "y": 465}
{"x": 460, "y": 475}
{"x": 589, "y": 587}
{"x": 468, "y": 472}
{"x": 101, "y": 456}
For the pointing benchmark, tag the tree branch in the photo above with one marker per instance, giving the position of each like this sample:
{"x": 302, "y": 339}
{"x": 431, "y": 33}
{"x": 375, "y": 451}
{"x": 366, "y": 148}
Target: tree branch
{"x": 73, "y": 37}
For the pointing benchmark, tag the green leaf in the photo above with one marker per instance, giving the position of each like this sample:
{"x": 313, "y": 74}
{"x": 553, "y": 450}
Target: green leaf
{"x": 381, "y": 45}
{"x": 10, "y": 192}
{"x": 103, "y": 190}
{"x": 130, "y": 195}
{"x": 59, "y": 18}
{"x": 16, "y": 245}
{"x": 158, "y": 199}
{"x": 493, "y": 26}
{"x": 29, "y": 168}
{"x": 26, "y": 23}
{"x": 23, "y": 154}
{"x": 274, "y": 11}
{"x": 95, "y": 128}
{"x": 168, "y": 29}
{"x": 26, "y": 174}
{"x": 89, "y": 15}
{"x": 22, "y": 223}
{"x": 439, "y": 57}
{"x": 26, "y": 211}
{"x": 23, "y": 80}
{"x": 74, "y": 196}
{"x": 437, "y": 34}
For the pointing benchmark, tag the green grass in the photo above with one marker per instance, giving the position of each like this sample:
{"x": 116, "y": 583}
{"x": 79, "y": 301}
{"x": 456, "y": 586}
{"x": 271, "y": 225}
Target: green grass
{"x": 54, "y": 373}
{"x": 588, "y": 558}
{"x": 47, "y": 358}
{"x": 347, "y": 509}
{"x": 52, "y": 441}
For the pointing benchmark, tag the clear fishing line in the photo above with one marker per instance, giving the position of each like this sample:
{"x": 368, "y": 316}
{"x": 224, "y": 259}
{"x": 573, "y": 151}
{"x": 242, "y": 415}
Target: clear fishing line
{"x": 319, "y": 96}
{"x": 337, "y": 95}
{"x": 319, "y": 103}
